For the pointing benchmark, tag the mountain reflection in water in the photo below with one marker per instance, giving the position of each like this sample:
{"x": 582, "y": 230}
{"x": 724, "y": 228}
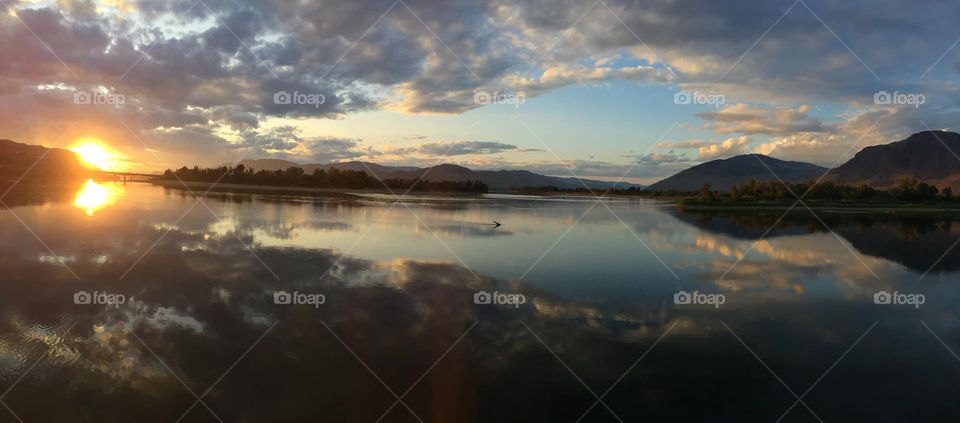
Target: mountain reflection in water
{"x": 400, "y": 319}
{"x": 917, "y": 241}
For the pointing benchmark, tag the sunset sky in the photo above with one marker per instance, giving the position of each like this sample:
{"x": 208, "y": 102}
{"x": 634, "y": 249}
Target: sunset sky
{"x": 170, "y": 83}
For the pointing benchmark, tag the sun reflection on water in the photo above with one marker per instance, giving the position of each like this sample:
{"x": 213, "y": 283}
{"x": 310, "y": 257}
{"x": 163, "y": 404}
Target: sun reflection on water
{"x": 93, "y": 196}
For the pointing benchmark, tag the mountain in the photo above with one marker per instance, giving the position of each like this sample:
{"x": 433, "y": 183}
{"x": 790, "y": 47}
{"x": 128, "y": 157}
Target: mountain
{"x": 924, "y": 156}
{"x": 16, "y": 159}
{"x": 495, "y": 179}
{"x": 738, "y": 170}
{"x": 505, "y": 179}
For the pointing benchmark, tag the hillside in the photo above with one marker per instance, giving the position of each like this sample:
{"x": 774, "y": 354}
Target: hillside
{"x": 17, "y": 158}
{"x": 923, "y": 156}
{"x": 722, "y": 174}
{"x": 495, "y": 179}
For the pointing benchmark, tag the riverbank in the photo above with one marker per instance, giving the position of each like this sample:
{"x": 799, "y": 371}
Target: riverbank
{"x": 337, "y": 193}
{"x": 201, "y": 187}
{"x": 685, "y": 203}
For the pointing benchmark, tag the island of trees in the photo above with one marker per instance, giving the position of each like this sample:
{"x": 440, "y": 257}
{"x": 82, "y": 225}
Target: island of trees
{"x": 319, "y": 178}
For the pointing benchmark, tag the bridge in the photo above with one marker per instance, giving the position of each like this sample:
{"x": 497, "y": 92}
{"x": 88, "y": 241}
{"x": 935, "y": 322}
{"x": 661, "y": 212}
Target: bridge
{"x": 131, "y": 176}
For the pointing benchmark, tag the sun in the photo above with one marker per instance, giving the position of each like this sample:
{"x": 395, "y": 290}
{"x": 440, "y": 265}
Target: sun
{"x": 93, "y": 151}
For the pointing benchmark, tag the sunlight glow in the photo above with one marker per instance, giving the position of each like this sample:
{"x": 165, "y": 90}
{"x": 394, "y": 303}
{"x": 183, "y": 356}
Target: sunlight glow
{"x": 93, "y": 196}
{"x": 94, "y": 152}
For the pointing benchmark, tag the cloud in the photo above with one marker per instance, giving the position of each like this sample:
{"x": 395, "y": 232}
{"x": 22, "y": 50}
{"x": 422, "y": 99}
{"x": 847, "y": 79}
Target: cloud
{"x": 335, "y": 149}
{"x": 172, "y": 145}
{"x": 787, "y": 134}
{"x": 283, "y": 138}
{"x": 220, "y": 66}
{"x": 458, "y": 148}
{"x": 743, "y": 119}
{"x": 657, "y": 158}
{"x": 729, "y": 147}
{"x": 684, "y": 144}
{"x": 562, "y": 75}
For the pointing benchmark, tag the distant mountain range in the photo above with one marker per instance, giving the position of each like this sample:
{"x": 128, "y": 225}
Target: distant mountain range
{"x": 16, "y": 159}
{"x": 738, "y": 170}
{"x": 929, "y": 156}
{"x": 495, "y": 179}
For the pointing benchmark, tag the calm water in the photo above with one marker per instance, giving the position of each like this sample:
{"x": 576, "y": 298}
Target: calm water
{"x": 399, "y": 317}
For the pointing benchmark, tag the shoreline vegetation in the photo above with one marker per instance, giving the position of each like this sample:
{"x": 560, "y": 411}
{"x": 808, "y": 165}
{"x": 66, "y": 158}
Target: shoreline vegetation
{"x": 319, "y": 181}
{"x": 909, "y": 195}
{"x": 201, "y": 187}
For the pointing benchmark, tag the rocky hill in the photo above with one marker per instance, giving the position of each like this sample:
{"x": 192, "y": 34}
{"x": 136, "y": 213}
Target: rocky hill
{"x": 930, "y": 156}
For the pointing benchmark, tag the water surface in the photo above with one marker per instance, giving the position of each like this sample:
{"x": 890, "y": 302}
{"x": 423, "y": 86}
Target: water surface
{"x": 400, "y": 320}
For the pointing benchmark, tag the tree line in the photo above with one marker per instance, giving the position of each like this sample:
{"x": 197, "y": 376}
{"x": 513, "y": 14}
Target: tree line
{"x": 905, "y": 191}
{"x": 319, "y": 178}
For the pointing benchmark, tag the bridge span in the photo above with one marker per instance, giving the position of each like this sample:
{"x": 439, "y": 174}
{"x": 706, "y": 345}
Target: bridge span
{"x": 132, "y": 176}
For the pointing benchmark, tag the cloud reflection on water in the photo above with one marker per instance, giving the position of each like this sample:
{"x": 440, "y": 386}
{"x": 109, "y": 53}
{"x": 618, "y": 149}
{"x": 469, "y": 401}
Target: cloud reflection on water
{"x": 200, "y": 308}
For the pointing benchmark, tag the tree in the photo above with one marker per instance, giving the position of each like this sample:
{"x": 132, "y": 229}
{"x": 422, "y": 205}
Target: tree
{"x": 334, "y": 178}
{"x": 735, "y": 192}
{"x": 947, "y": 194}
{"x": 705, "y": 193}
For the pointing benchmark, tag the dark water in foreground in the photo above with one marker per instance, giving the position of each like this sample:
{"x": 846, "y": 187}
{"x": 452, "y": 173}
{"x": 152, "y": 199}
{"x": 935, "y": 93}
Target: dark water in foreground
{"x": 199, "y": 317}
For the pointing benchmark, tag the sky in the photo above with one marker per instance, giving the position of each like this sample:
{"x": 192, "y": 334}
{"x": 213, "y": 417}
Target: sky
{"x": 601, "y": 89}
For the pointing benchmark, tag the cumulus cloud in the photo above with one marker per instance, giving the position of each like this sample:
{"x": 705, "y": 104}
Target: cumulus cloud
{"x": 729, "y": 147}
{"x": 706, "y": 150}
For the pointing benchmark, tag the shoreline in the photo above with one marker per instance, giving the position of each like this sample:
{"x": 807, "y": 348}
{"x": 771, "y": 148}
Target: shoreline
{"x": 862, "y": 209}
{"x": 358, "y": 194}
{"x": 341, "y": 193}
{"x": 247, "y": 189}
